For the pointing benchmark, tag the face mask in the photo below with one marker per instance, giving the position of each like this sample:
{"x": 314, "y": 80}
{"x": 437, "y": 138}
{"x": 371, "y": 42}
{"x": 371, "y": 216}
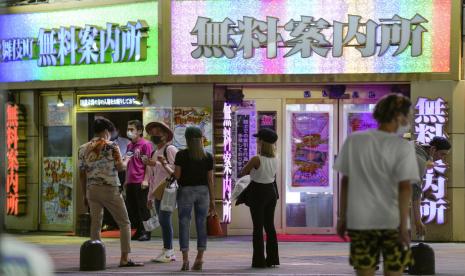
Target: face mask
{"x": 130, "y": 135}
{"x": 403, "y": 129}
{"x": 156, "y": 139}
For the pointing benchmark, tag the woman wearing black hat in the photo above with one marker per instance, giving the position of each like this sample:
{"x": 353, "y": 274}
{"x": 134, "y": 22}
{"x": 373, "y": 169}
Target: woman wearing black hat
{"x": 194, "y": 172}
{"x": 262, "y": 198}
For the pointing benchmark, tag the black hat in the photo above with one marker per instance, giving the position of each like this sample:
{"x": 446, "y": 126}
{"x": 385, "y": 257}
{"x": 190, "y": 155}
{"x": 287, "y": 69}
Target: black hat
{"x": 193, "y": 132}
{"x": 267, "y": 135}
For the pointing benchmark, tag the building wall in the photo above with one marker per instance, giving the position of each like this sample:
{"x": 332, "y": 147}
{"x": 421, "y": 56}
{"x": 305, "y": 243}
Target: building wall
{"x": 30, "y": 221}
{"x": 454, "y": 93}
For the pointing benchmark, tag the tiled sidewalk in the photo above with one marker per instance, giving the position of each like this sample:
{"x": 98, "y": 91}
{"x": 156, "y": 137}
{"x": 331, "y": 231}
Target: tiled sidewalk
{"x": 229, "y": 256}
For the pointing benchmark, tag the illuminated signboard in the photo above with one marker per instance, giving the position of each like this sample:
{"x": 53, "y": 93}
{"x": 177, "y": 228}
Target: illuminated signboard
{"x": 15, "y": 183}
{"x": 224, "y": 37}
{"x": 98, "y": 42}
{"x": 227, "y": 155}
{"x": 430, "y": 121}
{"x": 109, "y": 101}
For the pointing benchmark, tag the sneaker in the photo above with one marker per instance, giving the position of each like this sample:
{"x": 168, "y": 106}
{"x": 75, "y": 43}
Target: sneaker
{"x": 166, "y": 256}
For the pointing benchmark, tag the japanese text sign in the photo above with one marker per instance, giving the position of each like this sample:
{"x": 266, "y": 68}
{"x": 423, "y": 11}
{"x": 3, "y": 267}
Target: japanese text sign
{"x": 108, "y": 101}
{"x": 106, "y": 41}
{"x": 430, "y": 121}
{"x": 12, "y": 180}
{"x": 226, "y": 37}
{"x": 227, "y": 155}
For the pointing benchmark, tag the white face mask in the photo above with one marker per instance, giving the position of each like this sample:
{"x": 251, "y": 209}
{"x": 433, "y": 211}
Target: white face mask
{"x": 130, "y": 135}
{"x": 403, "y": 129}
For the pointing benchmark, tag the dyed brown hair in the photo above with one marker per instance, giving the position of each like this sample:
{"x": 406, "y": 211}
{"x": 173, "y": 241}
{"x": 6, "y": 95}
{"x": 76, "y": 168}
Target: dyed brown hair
{"x": 391, "y": 106}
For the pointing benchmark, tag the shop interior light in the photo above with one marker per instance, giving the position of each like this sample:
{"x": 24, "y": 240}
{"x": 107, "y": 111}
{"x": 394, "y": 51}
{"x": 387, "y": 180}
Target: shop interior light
{"x": 60, "y": 101}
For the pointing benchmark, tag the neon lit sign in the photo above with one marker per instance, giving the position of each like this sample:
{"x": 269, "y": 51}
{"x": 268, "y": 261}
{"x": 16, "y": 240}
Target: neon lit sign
{"x": 215, "y": 39}
{"x": 227, "y": 155}
{"x": 108, "y": 101}
{"x": 12, "y": 180}
{"x": 430, "y": 121}
{"x": 290, "y": 37}
{"x": 48, "y": 46}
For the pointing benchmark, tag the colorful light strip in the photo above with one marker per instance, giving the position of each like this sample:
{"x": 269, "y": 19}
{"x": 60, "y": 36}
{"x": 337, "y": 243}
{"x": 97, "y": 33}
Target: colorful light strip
{"x": 434, "y": 59}
{"x": 28, "y": 25}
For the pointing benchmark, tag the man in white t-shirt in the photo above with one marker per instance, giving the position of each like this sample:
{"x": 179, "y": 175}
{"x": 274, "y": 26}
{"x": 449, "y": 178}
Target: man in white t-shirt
{"x": 378, "y": 167}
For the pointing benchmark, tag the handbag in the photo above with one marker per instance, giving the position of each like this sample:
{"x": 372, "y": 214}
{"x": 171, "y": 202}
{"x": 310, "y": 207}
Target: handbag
{"x": 168, "y": 201}
{"x": 214, "y": 226}
{"x": 158, "y": 193}
{"x": 152, "y": 223}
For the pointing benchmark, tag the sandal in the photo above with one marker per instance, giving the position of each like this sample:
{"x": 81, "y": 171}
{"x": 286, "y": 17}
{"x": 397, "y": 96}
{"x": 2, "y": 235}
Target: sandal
{"x": 130, "y": 263}
{"x": 185, "y": 266}
{"x": 197, "y": 266}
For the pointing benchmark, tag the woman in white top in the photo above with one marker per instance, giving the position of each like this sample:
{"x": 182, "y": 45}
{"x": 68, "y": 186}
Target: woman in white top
{"x": 262, "y": 196}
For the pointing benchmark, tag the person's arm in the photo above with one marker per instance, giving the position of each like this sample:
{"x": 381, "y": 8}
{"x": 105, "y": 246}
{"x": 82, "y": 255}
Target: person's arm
{"x": 177, "y": 172}
{"x": 405, "y": 194}
{"x": 83, "y": 181}
{"x": 119, "y": 163}
{"x": 419, "y": 225}
{"x": 253, "y": 163}
{"x": 342, "y": 219}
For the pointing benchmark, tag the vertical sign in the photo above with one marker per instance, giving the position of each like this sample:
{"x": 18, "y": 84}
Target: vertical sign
{"x": 430, "y": 121}
{"x": 243, "y": 139}
{"x": 15, "y": 186}
{"x": 227, "y": 172}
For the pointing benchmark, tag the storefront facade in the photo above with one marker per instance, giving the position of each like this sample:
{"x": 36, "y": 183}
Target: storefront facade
{"x": 313, "y": 72}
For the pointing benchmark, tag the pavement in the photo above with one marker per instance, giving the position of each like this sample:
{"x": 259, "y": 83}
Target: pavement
{"x": 228, "y": 256}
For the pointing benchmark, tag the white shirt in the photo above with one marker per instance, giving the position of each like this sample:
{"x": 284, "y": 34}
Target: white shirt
{"x": 266, "y": 173}
{"x": 375, "y": 162}
{"x": 122, "y": 144}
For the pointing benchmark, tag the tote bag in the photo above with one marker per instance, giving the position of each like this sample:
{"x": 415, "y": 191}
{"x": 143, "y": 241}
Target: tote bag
{"x": 168, "y": 201}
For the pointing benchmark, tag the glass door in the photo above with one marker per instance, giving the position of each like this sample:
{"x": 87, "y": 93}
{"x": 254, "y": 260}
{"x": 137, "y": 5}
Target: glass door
{"x": 310, "y": 190}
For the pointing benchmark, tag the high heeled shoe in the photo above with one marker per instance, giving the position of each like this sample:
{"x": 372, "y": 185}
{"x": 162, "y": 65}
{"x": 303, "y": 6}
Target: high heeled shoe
{"x": 197, "y": 266}
{"x": 185, "y": 266}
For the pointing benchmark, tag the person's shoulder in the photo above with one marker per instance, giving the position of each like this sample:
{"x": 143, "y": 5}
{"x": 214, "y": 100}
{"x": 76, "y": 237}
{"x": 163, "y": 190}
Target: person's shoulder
{"x": 83, "y": 146}
{"x": 172, "y": 148}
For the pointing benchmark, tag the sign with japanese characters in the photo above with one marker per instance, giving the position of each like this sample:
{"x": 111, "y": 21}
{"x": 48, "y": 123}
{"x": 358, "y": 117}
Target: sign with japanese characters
{"x": 227, "y": 162}
{"x": 430, "y": 121}
{"x": 108, "y": 101}
{"x": 224, "y": 37}
{"x": 100, "y": 42}
{"x": 15, "y": 180}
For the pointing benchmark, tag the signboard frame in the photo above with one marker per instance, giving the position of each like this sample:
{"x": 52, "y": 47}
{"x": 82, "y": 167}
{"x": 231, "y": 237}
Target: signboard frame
{"x": 453, "y": 74}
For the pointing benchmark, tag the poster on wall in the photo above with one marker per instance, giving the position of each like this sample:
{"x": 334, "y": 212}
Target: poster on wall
{"x": 243, "y": 141}
{"x": 157, "y": 114}
{"x": 58, "y": 115}
{"x": 359, "y": 121}
{"x": 192, "y": 116}
{"x": 267, "y": 119}
{"x": 310, "y": 149}
{"x": 57, "y": 190}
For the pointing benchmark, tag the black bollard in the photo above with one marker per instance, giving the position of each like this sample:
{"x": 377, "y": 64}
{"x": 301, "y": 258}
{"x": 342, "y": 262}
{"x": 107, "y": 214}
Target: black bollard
{"x": 423, "y": 257}
{"x": 92, "y": 256}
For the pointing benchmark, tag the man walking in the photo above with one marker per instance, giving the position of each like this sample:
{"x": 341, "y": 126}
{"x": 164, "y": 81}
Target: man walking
{"x": 136, "y": 194}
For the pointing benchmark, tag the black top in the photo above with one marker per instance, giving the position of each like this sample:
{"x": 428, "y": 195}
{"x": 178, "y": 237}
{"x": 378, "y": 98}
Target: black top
{"x": 193, "y": 172}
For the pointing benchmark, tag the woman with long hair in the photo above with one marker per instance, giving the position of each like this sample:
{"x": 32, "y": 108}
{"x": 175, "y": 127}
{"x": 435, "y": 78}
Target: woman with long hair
{"x": 262, "y": 198}
{"x": 194, "y": 173}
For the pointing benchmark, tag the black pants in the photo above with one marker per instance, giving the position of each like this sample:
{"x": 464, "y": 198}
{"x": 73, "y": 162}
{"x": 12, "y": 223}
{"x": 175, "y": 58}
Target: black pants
{"x": 136, "y": 200}
{"x": 262, "y": 203}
